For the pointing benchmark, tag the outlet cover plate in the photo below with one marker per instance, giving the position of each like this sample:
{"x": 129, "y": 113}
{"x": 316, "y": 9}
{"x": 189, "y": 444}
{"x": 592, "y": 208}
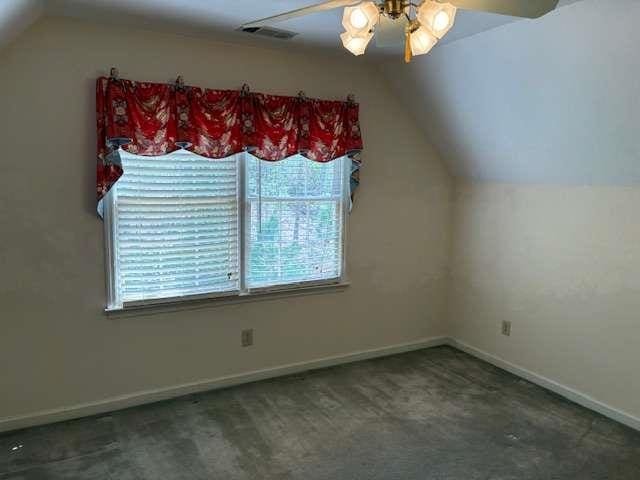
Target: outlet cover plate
{"x": 506, "y": 328}
{"x": 246, "y": 337}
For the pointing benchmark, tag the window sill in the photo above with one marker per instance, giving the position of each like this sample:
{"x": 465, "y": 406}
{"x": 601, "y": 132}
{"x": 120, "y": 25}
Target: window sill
{"x": 204, "y": 303}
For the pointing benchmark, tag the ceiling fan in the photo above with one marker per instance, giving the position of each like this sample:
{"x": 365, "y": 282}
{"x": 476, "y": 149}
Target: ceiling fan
{"x": 419, "y": 24}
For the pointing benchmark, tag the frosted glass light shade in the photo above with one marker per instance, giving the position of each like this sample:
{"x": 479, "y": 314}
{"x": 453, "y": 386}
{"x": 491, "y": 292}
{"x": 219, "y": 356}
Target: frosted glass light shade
{"x": 361, "y": 18}
{"x": 422, "y": 41}
{"x": 438, "y": 17}
{"x": 356, "y": 44}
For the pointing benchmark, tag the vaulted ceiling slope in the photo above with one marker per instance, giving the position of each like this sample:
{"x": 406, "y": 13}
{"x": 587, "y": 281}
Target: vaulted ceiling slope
{"x": 555, "y": 100}
{"x": 16, "y": 16}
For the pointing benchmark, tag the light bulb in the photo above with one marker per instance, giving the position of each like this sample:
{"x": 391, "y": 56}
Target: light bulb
{"x": 356, "y": 44}
{"x": 436, "y": 16}
{"x": 440, "y": 21}
{"x": 360, "y": 19}
{"x": 422, "y": 41}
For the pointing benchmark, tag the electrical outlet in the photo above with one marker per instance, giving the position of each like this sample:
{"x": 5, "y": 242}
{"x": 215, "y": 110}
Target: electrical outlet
{"x": 246, "y": 337}
{"x": 506, "y": 328}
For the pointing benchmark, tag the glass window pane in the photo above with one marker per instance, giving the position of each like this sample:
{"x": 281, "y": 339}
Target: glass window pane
{"x": 294, "y": 221}
{"x": 295, "y": 177}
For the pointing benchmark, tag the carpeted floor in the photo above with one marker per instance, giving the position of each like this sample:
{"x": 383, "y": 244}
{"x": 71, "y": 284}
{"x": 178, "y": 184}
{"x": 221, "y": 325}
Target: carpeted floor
{"x": 433, "y": 414}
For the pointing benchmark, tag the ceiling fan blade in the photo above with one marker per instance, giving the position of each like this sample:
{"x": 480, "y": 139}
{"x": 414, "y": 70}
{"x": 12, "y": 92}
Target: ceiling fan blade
{"x": 319, "y": 7}
{"x": 515, "y": 8}
{"x": 390, "y": 32}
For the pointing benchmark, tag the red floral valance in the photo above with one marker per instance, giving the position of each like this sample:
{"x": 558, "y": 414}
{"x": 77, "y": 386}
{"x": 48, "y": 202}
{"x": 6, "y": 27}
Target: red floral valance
{"x": 218, "y": 123}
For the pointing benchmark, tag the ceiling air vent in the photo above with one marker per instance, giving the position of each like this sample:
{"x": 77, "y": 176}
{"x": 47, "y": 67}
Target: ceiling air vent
{"x": 269, "y": 32}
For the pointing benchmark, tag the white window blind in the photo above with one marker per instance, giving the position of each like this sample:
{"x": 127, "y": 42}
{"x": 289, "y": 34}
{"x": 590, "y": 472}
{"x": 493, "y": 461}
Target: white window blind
{"x": 174, "y": 227}
{"x": 294, "y": 221}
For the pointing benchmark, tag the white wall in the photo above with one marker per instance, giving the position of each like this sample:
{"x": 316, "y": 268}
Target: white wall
{"x": 561, "y": 263}
{"x": 57, "y": 347}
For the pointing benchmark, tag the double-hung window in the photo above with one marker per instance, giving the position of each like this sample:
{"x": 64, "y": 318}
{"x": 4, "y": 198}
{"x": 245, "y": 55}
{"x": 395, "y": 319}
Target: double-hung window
{"x": 181, "y": 227}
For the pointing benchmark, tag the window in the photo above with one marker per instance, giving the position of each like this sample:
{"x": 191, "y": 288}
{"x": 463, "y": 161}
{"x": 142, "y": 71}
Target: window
{"x": 181, "y": 226}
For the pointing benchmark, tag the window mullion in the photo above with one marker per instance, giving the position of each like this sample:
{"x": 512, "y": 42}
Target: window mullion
{"x": 345, "y": 211}
{"x": 243, "y": 205}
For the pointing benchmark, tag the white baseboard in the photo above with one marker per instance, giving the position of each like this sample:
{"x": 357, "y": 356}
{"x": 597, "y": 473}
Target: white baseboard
{"x": 562, "y": 390}
{"x": 150, "y": 396}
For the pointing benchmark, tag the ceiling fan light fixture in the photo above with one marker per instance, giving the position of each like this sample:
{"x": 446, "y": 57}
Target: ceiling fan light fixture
{"x": 361, "y": 18}
{"x": 356, "y": 44}
{"x": 414, "y": 22}
{"x": 438, "y": 17}
{"x": 422, "y": 40}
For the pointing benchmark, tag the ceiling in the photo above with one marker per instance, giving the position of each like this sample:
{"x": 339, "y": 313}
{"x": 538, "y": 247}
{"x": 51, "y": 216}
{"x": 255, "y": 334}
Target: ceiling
{"x": 218, "y": 19}
{"x": 222, "y": 17}
{"x": 16, "y": 16}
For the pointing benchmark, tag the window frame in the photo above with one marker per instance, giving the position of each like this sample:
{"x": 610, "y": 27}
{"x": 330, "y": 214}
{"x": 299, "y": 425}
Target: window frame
{"x": 114, "y": 304}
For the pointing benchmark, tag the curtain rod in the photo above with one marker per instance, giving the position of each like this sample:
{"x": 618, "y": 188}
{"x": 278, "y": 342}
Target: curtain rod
{"x": 114, "y": 75}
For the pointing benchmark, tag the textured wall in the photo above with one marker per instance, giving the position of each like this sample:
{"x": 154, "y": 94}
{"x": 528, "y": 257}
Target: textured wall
{"x": 562, "y": 264}
{"x": 57, "y": 347}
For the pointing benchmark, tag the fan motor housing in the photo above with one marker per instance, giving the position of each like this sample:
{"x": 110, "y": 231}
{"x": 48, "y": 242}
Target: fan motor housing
{"x": 394, "y": 8}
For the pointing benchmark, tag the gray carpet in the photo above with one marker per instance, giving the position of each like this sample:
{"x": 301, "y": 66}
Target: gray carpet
{"x": 432, "y": 414}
